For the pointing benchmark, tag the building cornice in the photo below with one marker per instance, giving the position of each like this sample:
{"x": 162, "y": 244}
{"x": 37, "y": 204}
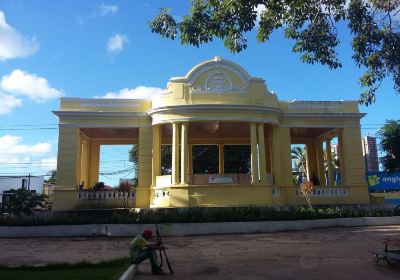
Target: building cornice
{"x": 102, "y": 125}
{"x": 98, "y": 114}
{"x": 325, "y": 115}
{"x": 212, "y": 119}
{"x": 76, "y": 99}
{"x": 214, "y": 108}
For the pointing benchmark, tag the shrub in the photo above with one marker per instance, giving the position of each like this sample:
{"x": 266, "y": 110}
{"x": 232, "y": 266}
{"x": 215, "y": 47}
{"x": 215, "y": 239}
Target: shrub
{"x": 22, "y": 202}
{"x": 192, "y": 215}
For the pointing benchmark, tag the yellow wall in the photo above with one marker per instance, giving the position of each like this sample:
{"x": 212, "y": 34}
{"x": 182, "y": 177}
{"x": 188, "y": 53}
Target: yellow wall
{"x": 67, "y": 158}
{"x": 282, "y": 165}
{"x": 145, "y": 167}
{"x": 353, "y": 163}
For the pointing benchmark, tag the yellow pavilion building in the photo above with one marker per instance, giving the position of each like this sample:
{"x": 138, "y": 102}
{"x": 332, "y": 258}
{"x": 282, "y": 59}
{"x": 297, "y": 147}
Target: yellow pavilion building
{"x": 219, "y": 105}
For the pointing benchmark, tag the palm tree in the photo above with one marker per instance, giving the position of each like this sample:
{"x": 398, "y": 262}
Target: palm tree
{"x": 298, "y": 154}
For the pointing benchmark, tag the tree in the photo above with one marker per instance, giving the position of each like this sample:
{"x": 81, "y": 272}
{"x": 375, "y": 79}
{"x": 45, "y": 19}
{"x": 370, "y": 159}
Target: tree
{"x": 307, "y": 190}
{"x": 389, "y": 135}
{"x": 134, "y": 157}
{"x": 22, "y": 202}
{"x": 166, "y": 158}
{"x": 298, "y": 155}
{"x": 312, "y": 24}
{"x": 53, "y": 176}
{"x": 125, "y": 189}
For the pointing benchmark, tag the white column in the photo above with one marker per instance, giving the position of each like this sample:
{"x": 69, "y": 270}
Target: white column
{"x": 254, "y": 157}
{"x": 184, "y": 154}
{"x": 175, "y": 153}
{"x": 261, "y": 151}
{"x": 156, "y": 159}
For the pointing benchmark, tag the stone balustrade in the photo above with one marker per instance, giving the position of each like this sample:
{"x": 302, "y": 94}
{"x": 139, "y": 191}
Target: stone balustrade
{"x": 105, "y": 195}
{"x": 327, "y": 191}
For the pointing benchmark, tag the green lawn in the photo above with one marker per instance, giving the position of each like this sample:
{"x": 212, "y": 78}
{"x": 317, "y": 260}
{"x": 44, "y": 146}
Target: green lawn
{"x": 81, "y": 271}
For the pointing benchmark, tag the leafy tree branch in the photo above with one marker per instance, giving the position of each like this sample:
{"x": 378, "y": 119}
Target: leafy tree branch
{"x": 374, "y": 25}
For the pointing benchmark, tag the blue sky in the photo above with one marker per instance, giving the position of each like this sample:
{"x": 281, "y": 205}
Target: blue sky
{"x": 88, "y": 48}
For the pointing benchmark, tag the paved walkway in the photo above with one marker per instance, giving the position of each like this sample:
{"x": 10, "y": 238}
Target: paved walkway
{"x": 334, "y": 253}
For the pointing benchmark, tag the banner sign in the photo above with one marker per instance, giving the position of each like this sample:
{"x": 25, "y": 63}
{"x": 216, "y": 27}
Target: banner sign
{"x": 383, "y": 181}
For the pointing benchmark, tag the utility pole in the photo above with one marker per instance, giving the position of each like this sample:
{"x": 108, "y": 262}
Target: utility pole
{"x": 29, "y": 182}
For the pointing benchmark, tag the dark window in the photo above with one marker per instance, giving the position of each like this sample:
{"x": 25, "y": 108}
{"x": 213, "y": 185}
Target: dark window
{"x": 205, "y": 159}
{"x": 166, "y": 159}
{"x": 237, "y": 159}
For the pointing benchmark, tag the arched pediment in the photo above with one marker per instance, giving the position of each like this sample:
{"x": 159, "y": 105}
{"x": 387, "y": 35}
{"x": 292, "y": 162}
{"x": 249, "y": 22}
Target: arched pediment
{"x": 218, "y": 76}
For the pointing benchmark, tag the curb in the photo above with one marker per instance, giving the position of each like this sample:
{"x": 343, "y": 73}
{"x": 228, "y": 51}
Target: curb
{"x": 184, "y": 229}
{"x": 129, "y": 274}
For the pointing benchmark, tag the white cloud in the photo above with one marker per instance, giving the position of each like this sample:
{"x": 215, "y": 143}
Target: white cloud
{"x": 116, "y": 43}
{"x": 140, "y": 92}
{"x": 21, "y": 83}
{"x": 46, "y": 163}
{"x": 107, "y": 9}
{"x": 17, "y": 157}
{"x": 8, "y": 102}
{"x": 12, "y": 43}
{"x": 14, "y": 153}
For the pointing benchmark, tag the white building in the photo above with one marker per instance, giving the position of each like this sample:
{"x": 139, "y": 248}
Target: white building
{"x": 16, "y": 182}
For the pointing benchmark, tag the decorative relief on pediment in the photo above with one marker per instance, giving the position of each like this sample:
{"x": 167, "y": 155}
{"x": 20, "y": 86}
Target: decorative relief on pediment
{"x": 219, "y": 82}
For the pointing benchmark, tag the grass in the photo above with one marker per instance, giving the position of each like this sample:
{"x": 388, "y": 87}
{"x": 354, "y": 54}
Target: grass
{"x": 81, "y": 271}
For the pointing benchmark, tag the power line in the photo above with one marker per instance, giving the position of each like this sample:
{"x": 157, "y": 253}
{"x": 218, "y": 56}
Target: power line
{"x": 54, "y": 161}
{"x": 38, "y": 128}
{"x": 117, "y": 172}
{"x": 43, "y": 124}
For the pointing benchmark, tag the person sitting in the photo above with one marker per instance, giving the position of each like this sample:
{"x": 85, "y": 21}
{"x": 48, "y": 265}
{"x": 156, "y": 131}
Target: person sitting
{"x": 141, "y": 249}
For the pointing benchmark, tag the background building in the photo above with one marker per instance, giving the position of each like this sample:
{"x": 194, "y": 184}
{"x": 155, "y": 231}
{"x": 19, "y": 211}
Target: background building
{"x": 370, "y": 153}
{"x": 34, "y": 183}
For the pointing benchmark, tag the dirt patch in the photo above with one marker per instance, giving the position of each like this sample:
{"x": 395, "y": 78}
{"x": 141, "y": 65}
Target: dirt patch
{"x": 333, "y": 253}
